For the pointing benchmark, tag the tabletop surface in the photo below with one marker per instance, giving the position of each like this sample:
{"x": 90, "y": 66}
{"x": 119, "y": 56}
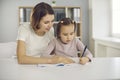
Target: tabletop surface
{"x": 98, "y": 69}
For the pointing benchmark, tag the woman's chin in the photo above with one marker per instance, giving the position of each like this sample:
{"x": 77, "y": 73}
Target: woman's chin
{"x": 47, "y": 30}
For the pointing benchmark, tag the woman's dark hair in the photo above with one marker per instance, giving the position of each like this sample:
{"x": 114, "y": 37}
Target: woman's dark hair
{"x": 64, "y": 22}
{"x": 39, "y": 11}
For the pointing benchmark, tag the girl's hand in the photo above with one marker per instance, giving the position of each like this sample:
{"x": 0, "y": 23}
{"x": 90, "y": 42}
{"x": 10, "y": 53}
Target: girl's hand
{"x": 84, "y": 60}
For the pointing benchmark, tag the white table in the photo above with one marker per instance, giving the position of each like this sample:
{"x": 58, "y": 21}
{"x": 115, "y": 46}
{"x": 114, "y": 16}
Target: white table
{"x": 99, "y": 68}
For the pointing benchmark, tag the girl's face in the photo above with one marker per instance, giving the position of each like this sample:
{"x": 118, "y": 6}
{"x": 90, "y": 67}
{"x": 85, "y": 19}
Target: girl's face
{"x": 46, "y": 23}
{"x": 67, "y": 33}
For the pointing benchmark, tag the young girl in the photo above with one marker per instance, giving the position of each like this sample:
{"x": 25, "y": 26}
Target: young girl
{"x": 66, "y": 44}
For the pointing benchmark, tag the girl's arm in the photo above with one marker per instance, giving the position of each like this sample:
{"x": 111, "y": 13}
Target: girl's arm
{"x": 81, "y": 47}
{"x": 87, "y": 57}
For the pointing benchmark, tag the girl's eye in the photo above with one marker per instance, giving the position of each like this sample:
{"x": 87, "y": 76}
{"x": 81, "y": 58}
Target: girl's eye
{"x": 71, "y": 33}
{"x": 65, "y": 34}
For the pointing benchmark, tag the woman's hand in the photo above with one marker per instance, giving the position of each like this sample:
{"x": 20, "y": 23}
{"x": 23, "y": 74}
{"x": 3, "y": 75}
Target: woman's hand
{"x": 84, "y": 60}
{"x": 61, "y": 59}
{"x": 65, "y": 60}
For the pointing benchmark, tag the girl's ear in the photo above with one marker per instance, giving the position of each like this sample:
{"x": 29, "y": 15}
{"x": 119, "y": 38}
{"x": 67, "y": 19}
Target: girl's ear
{"x": 58, "y": 36}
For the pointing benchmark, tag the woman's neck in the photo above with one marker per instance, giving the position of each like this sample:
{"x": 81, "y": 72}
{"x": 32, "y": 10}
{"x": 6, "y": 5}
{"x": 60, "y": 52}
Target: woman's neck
{"x": 40, "y": 33}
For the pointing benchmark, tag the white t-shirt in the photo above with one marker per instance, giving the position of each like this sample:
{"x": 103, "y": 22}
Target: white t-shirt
{"x": 35, "y": 45}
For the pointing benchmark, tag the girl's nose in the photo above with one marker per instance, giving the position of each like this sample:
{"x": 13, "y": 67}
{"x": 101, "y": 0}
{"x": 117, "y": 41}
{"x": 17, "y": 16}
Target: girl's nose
{"x": 68, "y": 37}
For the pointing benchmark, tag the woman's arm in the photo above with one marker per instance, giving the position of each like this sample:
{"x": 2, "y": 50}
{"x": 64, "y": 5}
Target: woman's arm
{"x": 24, "y": 59}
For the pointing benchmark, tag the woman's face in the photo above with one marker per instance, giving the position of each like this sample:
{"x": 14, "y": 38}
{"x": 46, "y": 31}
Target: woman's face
{"x": 46, "y": 23}
{"x": 67, "y": 33}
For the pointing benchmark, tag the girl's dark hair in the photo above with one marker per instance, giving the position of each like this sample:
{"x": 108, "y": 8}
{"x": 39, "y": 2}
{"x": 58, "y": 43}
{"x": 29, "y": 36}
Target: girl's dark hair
{"x": 39, "y": 11}
{"x": 64, "y": 22}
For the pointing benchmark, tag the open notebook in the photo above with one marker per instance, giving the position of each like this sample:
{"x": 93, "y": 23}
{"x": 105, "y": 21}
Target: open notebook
{"x": 60, "y": 64}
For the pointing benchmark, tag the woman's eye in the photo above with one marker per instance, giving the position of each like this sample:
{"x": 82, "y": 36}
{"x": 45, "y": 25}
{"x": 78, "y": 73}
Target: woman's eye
{"x": 46, "y": 22}
{"x": 52, "y": 21}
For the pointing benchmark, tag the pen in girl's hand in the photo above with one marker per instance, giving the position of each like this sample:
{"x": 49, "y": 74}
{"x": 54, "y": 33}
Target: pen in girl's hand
{"x": 84, "y": 51}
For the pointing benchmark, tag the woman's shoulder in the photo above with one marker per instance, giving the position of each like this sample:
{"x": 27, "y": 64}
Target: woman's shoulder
{"x": 23, "y": 32}
{"x": 25, "y": 26}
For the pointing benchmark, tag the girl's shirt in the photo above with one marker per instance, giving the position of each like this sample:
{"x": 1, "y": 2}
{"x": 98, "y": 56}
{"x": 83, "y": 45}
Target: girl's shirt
{"x": 70, "y": 50}
{"x": 35, "y": 45}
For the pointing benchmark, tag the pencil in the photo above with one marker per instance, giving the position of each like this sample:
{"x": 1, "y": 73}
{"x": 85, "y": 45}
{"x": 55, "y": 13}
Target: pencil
{"x": 84, "y": 51}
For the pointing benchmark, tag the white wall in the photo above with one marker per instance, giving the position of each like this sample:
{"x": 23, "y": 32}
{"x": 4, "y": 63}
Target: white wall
{"x": 9, "y": 16}
{"x": 99, "y": 20}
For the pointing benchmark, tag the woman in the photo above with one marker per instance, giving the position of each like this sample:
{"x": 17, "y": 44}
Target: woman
{"x": 34, "y": 38}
